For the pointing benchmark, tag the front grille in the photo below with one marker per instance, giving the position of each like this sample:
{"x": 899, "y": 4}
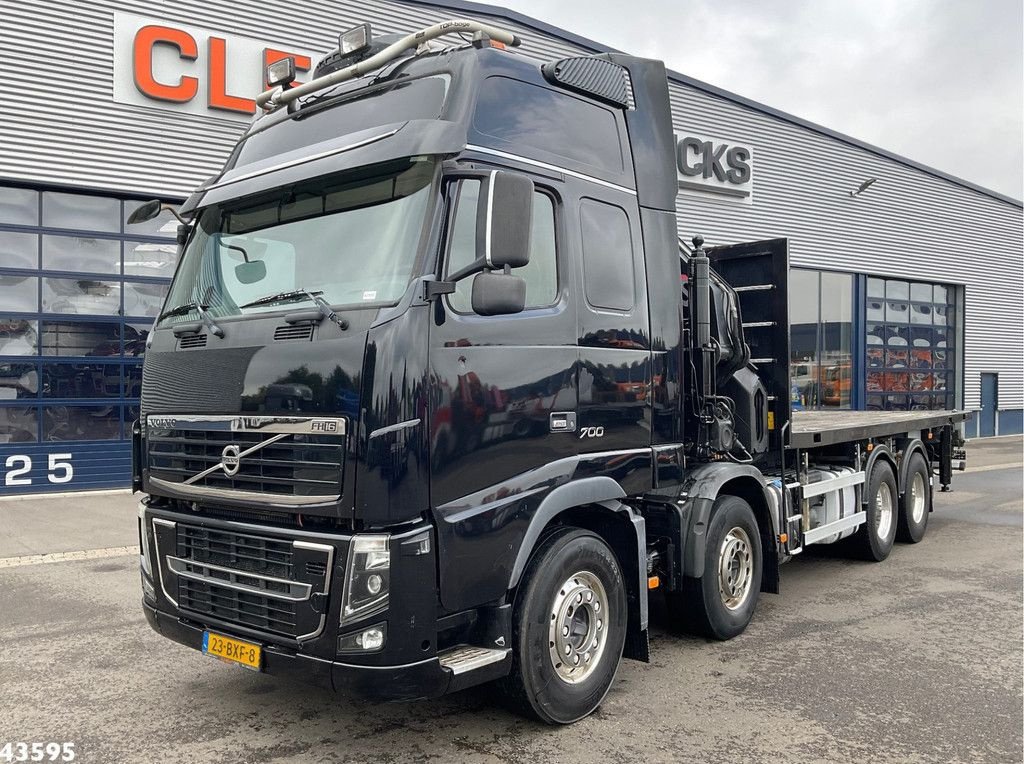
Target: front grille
{"x": 281, "y": 464}
{"x": 254, "y": 554}
{"x": 263, "y": 583}
{"x": 243, "y": 608}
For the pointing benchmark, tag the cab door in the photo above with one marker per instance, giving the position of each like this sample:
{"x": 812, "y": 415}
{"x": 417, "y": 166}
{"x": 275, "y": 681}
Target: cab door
{"x": 503, "y": 398}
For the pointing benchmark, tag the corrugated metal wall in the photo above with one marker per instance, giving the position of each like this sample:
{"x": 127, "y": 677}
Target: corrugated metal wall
{"x": 65, "y": 128}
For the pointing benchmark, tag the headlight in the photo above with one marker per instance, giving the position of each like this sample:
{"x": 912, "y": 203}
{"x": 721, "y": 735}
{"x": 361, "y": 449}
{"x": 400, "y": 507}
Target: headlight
{"x": 367, "y": 577}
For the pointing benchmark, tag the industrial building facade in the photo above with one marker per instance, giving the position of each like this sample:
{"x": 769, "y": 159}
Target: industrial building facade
{"x": 907, "y": 294}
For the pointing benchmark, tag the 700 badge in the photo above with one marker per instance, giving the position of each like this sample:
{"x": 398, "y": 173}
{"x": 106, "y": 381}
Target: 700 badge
{"x": 18, "y": 466}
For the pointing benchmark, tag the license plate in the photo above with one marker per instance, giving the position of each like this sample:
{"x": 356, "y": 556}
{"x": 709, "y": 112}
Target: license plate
{"x": 245, "y": 654}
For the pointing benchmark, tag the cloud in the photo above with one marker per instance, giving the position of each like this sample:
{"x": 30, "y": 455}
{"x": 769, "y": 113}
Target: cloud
{"x": 939, "y": 82}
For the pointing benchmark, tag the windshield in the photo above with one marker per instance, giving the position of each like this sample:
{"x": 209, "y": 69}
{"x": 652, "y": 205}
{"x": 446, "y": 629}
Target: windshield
{"x": 352, "y": 241}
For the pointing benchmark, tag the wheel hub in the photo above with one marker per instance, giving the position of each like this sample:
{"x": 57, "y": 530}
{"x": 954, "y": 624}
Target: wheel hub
{"x": 735, "y": 568}
{"x": 917, "y": 496}
{"x": 883, "y": 511}
{"x": 578, "y": 627}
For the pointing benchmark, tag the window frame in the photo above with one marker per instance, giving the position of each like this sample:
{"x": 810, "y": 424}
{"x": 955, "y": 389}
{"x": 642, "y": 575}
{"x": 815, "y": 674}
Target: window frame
{"x": 36, "y": 320}
{"x": 948, "y": 370}
{"x": 452, "y": 184}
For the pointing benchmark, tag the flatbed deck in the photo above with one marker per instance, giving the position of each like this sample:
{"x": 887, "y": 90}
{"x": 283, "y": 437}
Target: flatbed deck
{"x": 811, "y": 429}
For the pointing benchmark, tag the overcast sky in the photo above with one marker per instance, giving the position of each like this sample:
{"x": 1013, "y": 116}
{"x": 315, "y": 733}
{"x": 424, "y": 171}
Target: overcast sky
{"x": 939, "y": 81}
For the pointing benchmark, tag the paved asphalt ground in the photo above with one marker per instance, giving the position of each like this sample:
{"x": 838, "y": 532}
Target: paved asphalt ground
{"x": 917, "y": 659}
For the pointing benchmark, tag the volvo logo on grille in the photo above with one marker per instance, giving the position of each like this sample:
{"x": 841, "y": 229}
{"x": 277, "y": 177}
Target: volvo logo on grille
{"x": 230, "y": 459}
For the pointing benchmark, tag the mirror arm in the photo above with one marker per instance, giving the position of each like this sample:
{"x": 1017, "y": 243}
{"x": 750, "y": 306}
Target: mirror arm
{"x": 169, "y": 208}
{"x": 474, "y": 267}
{"x": 433, "y": 287}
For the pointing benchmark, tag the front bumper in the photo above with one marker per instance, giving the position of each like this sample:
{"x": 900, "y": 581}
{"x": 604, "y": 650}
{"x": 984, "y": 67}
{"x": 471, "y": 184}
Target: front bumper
{"x": 412, "y": 681}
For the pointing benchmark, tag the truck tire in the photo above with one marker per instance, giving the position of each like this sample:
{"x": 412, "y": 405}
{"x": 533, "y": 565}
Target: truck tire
{"x": 916, "y": 503}
{"x": 568, "y": 628}
{"x": 720, "y": 604}
{"x": 875, "y": 538}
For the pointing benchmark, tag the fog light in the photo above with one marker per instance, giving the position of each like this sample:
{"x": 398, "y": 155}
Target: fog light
{"x": 148, "y": 590}
{"x": 371, "y": 639}
{"x": 366, "y": 641}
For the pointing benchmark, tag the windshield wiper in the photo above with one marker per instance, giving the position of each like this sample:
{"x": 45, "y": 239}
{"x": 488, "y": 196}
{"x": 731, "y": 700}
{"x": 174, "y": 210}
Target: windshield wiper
{"x": 298, "y": 294}
{"x": 199, "y": 308}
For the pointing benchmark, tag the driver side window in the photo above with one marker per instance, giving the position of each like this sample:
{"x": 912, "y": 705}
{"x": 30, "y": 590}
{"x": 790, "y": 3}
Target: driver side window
{"x": 540, "y": 274}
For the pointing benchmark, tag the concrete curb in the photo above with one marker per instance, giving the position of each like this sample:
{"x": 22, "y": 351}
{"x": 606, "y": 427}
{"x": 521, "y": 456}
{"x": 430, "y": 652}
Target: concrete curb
{"x": 87, "y": 554}
{"x": 66, "y": 494}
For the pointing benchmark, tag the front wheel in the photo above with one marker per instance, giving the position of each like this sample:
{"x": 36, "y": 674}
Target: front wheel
{"x": 569, "y": 627}
{"x": 721, "y": 603}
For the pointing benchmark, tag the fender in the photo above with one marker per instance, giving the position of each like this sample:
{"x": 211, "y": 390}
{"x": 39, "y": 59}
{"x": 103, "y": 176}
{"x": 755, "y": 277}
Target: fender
{"x": 878, "y": 452}
{"x": 909, "y": 447}
{"x": 700, "y": 489}
{"x": 600, "y": 490}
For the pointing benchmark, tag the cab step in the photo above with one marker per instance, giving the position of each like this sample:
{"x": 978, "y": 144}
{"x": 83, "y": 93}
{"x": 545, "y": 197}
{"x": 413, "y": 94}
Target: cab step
{"x": 463, "y": 659}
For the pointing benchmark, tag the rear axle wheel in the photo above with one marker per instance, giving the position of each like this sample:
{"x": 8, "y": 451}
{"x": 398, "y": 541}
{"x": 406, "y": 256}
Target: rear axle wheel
{"x": 721, "y": 602}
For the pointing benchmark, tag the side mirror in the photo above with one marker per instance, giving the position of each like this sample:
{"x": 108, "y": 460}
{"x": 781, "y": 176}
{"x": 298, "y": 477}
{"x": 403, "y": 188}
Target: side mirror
{"x": 250, "y": 272}
{"x": 498, "y": 294}
{"x": 145, "y": 212}
{"x": 504, "y": 217}
{"x": 152, "y": 208}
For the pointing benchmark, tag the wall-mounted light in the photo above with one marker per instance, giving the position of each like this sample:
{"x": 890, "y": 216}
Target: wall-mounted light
{"x": 863, "y": 186}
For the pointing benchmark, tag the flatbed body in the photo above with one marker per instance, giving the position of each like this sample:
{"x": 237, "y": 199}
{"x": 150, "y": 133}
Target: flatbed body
{"x": 812, "y": 429}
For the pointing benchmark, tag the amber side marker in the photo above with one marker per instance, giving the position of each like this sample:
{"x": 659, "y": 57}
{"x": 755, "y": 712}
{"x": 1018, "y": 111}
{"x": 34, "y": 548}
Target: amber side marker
{"x": 783, "y": 538}
{"x": 653, "y": 582}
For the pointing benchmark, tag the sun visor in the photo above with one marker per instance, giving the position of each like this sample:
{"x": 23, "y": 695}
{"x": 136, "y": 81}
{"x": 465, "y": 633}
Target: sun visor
{"x": 347, "y": 152}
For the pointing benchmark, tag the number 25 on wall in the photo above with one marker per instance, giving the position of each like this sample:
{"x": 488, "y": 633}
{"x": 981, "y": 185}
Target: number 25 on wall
{"x": 59, "y": 469}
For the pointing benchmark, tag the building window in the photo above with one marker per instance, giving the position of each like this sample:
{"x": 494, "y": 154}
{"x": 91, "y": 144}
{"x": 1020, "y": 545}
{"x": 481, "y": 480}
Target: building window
{"x": 78, "y": 293}
{"x": 822, "y": 372}
{"x": 910, "y": 345}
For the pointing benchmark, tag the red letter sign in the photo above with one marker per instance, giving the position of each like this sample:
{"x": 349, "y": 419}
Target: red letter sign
{"x": 142, "y": 63}
{"x": 217, "y": 96}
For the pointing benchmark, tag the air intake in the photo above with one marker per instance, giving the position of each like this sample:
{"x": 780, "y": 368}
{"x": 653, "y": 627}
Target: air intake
{"x": 296, "y": 332}
{"x": 591, "y": 76}
{"x": 192, "y": 341}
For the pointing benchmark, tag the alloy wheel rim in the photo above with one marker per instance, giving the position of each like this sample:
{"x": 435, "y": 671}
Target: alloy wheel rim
{"x": 735, "y": 568}
{"x": 578, "y": 627}
{"x": 883, "y": 511}
{"x": 917, "y": 497}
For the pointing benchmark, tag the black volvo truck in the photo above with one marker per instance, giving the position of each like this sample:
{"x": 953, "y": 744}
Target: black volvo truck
{"x": 438, "y": 397}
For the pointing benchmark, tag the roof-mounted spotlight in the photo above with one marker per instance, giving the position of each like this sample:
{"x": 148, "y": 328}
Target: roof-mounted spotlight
{"x": 355, "y": 39}
{"x": 281, "y": 73}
